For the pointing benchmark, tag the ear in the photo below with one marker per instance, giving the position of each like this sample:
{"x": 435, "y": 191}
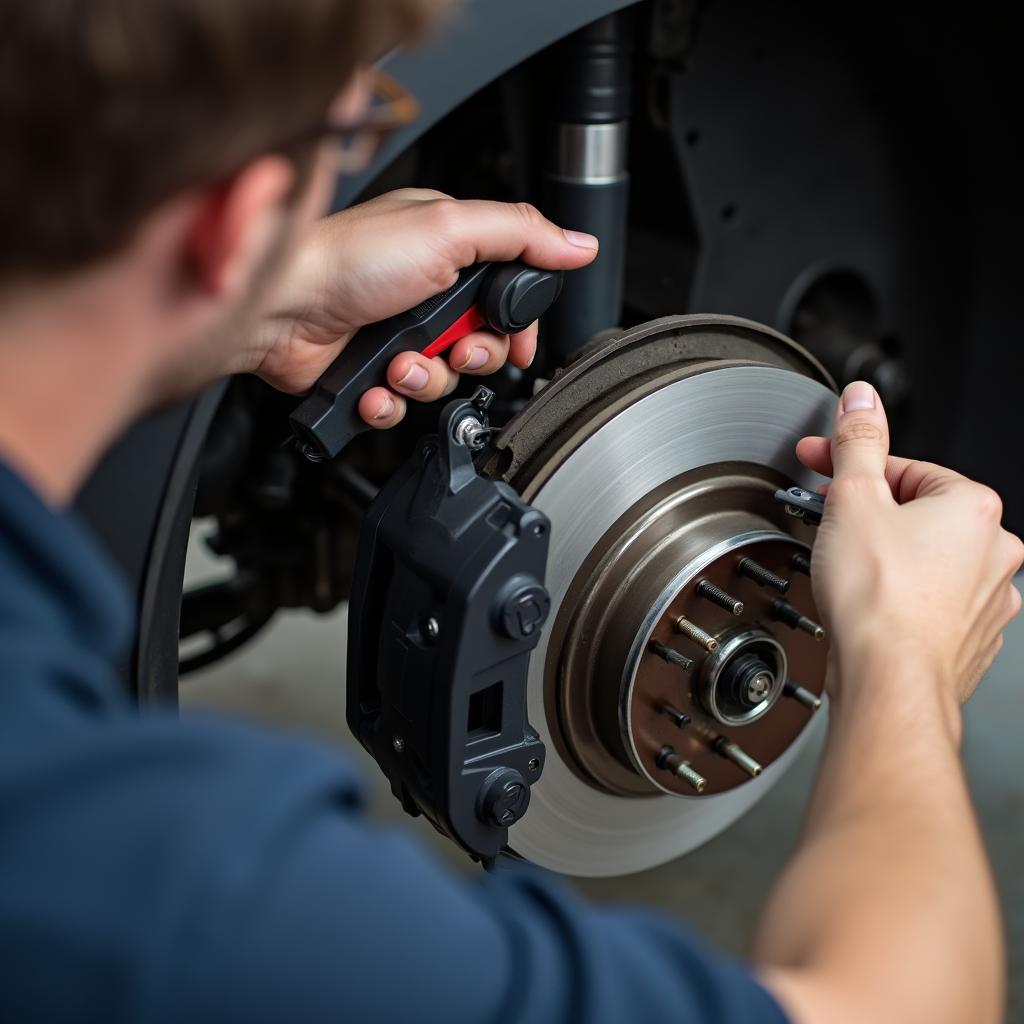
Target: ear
{"x": 235, "y": 223}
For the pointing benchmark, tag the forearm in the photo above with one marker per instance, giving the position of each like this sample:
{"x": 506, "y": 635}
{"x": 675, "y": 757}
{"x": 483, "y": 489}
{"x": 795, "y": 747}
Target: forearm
{"x": 888, "y": 910}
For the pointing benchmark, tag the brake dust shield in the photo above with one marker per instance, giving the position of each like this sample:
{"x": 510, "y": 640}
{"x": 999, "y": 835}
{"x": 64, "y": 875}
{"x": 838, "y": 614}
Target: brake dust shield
{"x": 682, "y": 666}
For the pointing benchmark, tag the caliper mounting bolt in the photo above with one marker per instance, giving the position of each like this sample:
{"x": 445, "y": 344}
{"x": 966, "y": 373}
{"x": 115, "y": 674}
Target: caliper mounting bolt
{"x": 504, "y": 797}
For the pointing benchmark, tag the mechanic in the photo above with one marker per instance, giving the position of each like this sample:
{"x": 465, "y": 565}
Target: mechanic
{"x": 162, "y": 170}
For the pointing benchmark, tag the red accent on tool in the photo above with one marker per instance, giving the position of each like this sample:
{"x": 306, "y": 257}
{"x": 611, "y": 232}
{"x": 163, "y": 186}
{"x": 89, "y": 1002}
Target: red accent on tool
{"x": 470, "y": 321}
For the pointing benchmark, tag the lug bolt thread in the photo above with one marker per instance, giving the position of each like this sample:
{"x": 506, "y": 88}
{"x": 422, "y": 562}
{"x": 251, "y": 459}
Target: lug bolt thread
{"x": 715, "y": 595}
{"x": 672, "y": 657}
{"x": 788, "y": 615}
{"x": 761, "y": 576}
{"x": 811, "y": 701}
{"x": 679, "y": 718}
{"x": 739, "y": 757}
{"x": 802, "y": 564}
{"x": 670, "y": 761}
{"x": 696, "y": 634}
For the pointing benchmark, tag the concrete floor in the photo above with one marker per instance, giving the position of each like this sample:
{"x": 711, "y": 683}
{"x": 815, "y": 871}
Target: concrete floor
{"x": 293, "y": 676}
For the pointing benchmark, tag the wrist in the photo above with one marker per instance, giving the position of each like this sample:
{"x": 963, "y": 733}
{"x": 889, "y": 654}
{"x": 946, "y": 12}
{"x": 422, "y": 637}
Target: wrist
{"x": 904, "y": 686}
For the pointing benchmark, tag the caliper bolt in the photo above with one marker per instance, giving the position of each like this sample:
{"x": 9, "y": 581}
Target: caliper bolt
{"x": 523, "y": 608}
{"x": 761, "y": 576}
{"x": 503, "y": 798}
{"x": 715, "y": 595}
{"x": 471, "y": 433}
{"x": 787, "y": 614}
{"x": 670, "y": 761}
{"x": 696, "y": 634}
{"x": 672, "y": 657}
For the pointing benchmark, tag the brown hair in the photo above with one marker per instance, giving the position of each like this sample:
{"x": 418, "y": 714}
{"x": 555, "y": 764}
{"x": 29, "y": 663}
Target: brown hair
{"x": 109, "y": 107}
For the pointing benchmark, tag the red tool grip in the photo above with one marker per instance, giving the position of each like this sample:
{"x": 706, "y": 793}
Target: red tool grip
{"x": 469, "y": 322}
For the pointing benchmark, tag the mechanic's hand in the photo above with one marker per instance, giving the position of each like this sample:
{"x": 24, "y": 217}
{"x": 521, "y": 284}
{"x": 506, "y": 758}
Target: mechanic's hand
{"x": 909, "y": 555}
{"x": 387, "y": 256}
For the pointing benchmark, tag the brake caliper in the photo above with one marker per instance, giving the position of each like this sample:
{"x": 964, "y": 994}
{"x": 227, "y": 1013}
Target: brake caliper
{"x": 448, "y": 603}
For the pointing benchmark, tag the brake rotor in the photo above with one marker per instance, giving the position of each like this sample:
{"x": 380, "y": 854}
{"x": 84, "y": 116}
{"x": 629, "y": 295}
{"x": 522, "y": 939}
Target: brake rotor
{"x": 683, "y": 665}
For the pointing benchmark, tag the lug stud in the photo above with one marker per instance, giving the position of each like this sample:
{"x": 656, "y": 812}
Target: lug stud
{"x": 696, "y": 634}
{"x": 715, "y": 595}
{"x": 802, "y": 564}
{"x": 811, "y": 701}
{"x": 787, "y": 614}
{"x": 739, "y": 757}
{"x": 679, "y": 718}
{"x": 670, "y": 761}
{"x": 761, "y": 576}
{"x": 672, "y": 657}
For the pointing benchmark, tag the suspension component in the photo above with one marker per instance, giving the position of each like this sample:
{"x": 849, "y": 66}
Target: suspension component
{"x": 587, "y": 182}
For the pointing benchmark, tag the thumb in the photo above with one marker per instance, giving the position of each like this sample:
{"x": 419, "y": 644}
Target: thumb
{"x": 479, "y": 229}
{"x": 860, "y": 441}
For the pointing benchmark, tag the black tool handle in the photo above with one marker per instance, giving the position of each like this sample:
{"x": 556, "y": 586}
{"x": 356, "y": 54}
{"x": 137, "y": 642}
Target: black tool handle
{"x": 508, "y": 298}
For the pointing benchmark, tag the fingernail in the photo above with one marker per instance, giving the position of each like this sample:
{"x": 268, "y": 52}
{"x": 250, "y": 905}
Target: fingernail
{"x": 416, "y": 379}
{"x": 581, "y": 239}
{"x": 858, "y": 395}
{"x": 387, "y": 407}
{"x": 477, "y": 357}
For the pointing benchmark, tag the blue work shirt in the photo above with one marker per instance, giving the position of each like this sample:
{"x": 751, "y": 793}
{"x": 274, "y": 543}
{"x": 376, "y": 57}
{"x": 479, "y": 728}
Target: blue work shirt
{"x": 158, "y": 869}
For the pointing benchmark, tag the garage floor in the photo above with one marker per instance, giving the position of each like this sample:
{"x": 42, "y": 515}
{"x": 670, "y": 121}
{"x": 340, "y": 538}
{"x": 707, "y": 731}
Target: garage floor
{"x": 292, "y": 676}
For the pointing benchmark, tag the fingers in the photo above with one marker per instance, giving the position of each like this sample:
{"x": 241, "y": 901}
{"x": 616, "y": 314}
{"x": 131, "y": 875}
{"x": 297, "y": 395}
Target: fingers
{"x": 414, "y": 376}
{"x": 381, "y": 409}
{"x": 479, "y": 353}
{"x": 860, "y": 441}
{"x": 472, "y": 230}
{"x": 816, "y": 454}
{"x": 409, "y": 374}
{"x": 422, "y": 379}
{"x": 523, "y": 347}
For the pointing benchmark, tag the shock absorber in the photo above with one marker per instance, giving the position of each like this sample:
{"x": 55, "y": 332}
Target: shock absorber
{"x": 587, "y": 182}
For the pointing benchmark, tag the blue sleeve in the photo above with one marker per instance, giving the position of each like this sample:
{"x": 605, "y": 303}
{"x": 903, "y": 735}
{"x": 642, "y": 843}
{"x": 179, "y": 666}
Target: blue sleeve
{"x": 360, "y": 926}
{"x": 158, "y": 870}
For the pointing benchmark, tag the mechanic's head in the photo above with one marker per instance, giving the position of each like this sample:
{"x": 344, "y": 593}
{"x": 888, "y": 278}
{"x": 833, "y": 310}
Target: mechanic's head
{"x": 176, "y": 146}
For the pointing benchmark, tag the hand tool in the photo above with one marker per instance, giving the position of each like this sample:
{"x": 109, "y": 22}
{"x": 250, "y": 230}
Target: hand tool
{"x": 505, "y": 297}
{"x": 802, "y": 504}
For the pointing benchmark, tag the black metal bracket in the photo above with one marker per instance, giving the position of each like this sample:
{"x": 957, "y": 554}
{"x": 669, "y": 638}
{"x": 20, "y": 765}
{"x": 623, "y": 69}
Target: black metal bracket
{"x": 448, "y": 603}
